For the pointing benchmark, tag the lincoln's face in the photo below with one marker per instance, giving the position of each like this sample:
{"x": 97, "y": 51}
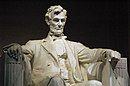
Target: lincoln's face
{"x": 57, "y": 23}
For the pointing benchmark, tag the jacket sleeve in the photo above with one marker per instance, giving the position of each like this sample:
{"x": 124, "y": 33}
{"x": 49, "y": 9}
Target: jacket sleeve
{"x": 28, "y": 55}
{"x": 28, "y": 50}
{"x": 87, "y": 55}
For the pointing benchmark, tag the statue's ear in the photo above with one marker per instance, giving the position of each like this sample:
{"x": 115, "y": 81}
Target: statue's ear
{"x": 47, "y": 19}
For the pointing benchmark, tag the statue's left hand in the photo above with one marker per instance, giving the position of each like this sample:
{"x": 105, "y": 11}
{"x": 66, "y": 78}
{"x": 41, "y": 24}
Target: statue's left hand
{"x": 115, "y": 55}
{"x": 112, "y": 55}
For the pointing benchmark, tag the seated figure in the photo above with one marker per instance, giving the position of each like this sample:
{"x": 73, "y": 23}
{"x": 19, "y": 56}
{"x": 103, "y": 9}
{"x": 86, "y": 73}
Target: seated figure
{"x": 56, "y": 61}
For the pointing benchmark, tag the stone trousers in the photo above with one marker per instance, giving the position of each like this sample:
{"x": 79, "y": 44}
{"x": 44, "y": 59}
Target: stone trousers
{"x": 58, "y": 81}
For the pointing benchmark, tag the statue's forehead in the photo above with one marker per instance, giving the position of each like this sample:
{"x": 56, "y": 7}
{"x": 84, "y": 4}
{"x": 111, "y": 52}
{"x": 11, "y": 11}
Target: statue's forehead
{"x": 60, "y": 16}
{"x": 57, "y": 9}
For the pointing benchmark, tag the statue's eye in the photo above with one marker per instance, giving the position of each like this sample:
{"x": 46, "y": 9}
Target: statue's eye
{"x": 56, "y": 19}
{"x": 62, "y": 20}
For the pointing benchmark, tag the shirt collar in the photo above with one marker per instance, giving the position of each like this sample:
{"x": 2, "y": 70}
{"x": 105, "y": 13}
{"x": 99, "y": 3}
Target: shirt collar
{"x": 55, "y": 37}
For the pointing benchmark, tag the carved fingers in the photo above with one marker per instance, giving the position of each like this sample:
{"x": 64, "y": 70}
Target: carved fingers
{"x": 116, "y": 55}
{"x": 13, "y": 50}
{"x": 111, "y": 54}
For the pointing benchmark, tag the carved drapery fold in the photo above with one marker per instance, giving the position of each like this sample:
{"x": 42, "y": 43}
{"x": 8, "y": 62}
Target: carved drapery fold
{"x": 14, "y": 71}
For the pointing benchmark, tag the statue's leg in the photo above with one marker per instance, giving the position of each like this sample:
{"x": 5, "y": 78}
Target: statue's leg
{"x": 94, "y": 83}
{"x": 56, "y": 81}
{"x": 89, "y": 83}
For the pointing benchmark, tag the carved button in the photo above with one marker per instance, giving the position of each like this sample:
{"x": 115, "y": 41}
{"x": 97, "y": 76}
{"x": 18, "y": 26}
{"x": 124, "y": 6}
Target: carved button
{"x": 48, "y": 65}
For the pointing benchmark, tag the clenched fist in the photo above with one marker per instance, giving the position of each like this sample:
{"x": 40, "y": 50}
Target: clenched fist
{"x": 13, "y": 50}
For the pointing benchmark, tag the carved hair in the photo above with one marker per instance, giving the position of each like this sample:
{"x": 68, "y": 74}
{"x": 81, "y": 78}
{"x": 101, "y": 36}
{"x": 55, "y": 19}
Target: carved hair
{"x": 54, "y": 10}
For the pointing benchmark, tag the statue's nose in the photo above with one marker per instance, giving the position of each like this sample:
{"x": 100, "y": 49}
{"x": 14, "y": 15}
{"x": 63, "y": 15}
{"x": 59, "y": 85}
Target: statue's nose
{"x": 59, "y": 24}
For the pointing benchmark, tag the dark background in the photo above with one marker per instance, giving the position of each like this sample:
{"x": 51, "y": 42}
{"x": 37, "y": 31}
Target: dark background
{"x": 96, "y": 24}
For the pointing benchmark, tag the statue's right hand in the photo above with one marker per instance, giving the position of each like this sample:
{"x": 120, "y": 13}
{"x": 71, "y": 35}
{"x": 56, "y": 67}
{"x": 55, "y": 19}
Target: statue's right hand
{"x": 13, "y": 50}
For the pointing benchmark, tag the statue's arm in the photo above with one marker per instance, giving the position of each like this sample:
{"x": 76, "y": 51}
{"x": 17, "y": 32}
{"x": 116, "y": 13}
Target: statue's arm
{"x": 106, "y": 54}
{"x": 87, "y": 55}
{"x": 28, "y": 55}
{"x": 13, "y": 50}
{"x": 94, "y": 60}
{"x": 27, "y": 50}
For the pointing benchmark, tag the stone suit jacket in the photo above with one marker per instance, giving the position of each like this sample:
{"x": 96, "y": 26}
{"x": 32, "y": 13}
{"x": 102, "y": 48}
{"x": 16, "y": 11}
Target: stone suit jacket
{"x": 41, "y": 61}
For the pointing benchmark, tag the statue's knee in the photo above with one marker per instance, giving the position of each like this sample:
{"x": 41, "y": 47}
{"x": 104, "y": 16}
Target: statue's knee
{"x": 94, "y": 83}
{"x": 57, "y": 78}
{"x": 56, "y": 81}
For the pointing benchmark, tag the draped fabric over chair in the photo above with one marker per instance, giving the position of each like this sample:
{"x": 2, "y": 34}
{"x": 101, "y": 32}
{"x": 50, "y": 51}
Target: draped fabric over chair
{"x": 14, "y": 71}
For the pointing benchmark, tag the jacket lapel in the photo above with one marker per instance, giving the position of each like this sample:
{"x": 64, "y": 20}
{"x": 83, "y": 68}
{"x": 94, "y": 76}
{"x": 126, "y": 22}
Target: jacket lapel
{"x": 48, "y": 46}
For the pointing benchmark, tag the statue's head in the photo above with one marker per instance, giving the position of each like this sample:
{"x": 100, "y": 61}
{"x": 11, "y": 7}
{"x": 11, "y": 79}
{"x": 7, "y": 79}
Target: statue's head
{"x": 56, "y": 18}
